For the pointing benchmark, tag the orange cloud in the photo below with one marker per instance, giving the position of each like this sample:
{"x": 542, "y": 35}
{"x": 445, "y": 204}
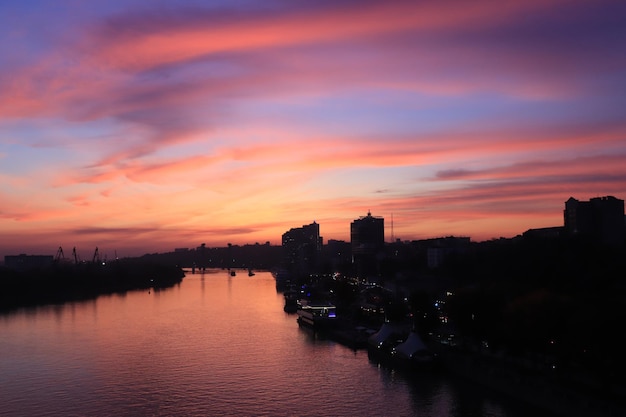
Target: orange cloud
{"x": 237, "y": 125}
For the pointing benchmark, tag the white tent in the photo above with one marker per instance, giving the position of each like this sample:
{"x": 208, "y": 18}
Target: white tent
{"x": 410, "y": 346}
{"x": 385, "y": 331}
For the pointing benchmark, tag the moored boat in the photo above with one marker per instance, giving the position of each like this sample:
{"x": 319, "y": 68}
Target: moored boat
{"x": 282, "y": 277}
{"x": 291, "y": 300}
{"x": 316, "y": 315}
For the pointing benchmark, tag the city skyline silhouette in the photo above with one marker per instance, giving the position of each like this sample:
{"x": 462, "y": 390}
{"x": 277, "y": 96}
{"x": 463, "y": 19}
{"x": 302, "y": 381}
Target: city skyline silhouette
{"x": 600, "y": 220}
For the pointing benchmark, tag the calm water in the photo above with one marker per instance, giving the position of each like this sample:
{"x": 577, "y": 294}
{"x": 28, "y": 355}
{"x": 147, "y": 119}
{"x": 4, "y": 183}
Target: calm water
{"x": 214, "y": 345}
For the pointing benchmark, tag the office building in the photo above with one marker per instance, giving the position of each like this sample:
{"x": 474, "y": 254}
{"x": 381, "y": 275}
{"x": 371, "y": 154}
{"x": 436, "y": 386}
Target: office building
{"x": 302, "y": 247}
{"x": 367, "y": 240}
{"x": 600, "y": 219}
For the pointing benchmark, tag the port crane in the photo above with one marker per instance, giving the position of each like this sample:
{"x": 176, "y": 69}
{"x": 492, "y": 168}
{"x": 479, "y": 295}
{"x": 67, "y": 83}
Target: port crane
{"x": 59, "y": 256}
{"x": 76, "y": 258}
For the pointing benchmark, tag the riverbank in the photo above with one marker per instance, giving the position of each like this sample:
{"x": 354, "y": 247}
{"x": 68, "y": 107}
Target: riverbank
{"x": 560, "y": 395}
{"x": 557, "y": 393}
{"x": 63, "y": 282}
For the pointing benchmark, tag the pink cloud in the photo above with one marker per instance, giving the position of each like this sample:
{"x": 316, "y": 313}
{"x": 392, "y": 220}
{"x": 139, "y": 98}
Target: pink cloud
{"x": 161, "y": 43}
{"x": 179, "y": 93}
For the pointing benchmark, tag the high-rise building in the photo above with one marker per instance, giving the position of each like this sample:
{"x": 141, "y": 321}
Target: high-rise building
{"x": 600, "y": 219}
{"x": 302, "y": 247}
{"x": 367, "y": 239}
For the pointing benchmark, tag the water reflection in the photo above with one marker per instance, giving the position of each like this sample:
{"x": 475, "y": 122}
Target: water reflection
{"x": 212, "y": 345}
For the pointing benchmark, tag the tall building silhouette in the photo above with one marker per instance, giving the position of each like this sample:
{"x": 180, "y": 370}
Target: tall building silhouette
{"x": 367, "y": 240}
{"x": 302, "y": 247}
{"x": 600, "y": 219}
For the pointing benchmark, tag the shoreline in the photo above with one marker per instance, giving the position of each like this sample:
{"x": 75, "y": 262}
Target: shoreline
{"x": 61, "y": 283}
{"x": 558, "y": 395}
{"x": 540, "y": 390}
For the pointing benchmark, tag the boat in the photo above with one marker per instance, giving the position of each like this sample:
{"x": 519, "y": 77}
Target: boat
{"x": 355, "y": 337}
{"x": 291, "y": 305}
{"x": 316, "y": 315}
{"x": 291, "y": 300}
{"x": 282, "y": 277}
{"x": 250, "y": 272}
{"x": 232, "y": 273}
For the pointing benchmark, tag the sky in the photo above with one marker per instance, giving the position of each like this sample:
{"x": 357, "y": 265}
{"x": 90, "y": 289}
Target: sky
{"x": 143, "y": 126}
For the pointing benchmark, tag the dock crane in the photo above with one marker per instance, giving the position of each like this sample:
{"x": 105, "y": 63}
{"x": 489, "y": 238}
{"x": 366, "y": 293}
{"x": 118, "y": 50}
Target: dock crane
{"x": 76, "y": 260}
{"x": 59, "y": 256}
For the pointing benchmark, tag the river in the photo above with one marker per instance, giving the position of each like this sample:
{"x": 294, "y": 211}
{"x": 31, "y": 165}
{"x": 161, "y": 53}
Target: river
{"x": 214, "y": 345}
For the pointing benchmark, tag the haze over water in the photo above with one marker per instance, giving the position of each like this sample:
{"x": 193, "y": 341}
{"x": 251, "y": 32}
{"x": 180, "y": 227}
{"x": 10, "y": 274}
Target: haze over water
{"x": 214, "y": 345}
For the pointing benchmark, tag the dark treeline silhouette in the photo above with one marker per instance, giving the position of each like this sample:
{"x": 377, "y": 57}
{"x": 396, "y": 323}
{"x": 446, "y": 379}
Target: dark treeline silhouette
{"x": 257, "y": 256}
{"x": 557, "y": 300}
{"x": 64, "y": 281}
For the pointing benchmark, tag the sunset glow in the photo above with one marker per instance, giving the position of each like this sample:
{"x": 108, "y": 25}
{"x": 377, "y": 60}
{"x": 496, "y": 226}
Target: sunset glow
{"x": 143, "y": 126}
